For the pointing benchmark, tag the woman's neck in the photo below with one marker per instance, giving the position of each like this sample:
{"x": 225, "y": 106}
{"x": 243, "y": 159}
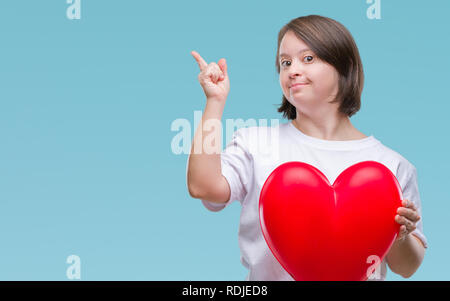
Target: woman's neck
{"x": 331, "y": 127}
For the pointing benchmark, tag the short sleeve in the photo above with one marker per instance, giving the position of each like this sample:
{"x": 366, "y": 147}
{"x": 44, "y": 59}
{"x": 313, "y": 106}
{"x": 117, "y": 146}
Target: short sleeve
{"x": 411, "y": 192}
{"x": 237, "y": 168}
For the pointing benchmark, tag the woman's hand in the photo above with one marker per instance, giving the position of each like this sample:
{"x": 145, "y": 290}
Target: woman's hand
{"x": 213, "y": 78}
{"x": 407, "y": 217}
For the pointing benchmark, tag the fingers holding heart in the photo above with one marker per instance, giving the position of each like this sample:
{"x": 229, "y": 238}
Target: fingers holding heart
{"x": 406, "y": 223}
{"x": 402, "y": 233}
{"x": 407, "y": 217}
{"x": 409, "y": 214}
{"x": 409, "y": 204}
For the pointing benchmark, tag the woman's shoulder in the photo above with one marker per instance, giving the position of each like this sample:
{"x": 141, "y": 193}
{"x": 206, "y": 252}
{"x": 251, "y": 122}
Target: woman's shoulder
{"x": 259, "y": 131}
{"x": 258, "y": 140}
{"x": 404, "y": 167}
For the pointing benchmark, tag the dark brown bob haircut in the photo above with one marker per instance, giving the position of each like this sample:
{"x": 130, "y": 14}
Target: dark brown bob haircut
{"x": 333, "y": 44}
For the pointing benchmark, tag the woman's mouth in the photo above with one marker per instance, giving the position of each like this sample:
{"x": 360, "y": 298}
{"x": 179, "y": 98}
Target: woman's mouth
{"x": 297, "y": 86}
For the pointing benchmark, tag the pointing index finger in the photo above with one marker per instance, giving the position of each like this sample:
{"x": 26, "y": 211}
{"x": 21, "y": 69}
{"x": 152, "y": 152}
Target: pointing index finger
{"x": 201, "y": 62}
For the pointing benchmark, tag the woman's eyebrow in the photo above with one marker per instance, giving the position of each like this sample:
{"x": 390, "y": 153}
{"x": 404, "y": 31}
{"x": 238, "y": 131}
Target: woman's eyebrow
{"x": 303, "y": 50}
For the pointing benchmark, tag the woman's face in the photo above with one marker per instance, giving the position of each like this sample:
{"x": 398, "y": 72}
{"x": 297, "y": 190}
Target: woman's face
{"x": 318, "y": 79}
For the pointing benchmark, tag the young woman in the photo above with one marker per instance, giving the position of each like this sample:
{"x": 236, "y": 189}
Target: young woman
{"x": 321, "y": 77}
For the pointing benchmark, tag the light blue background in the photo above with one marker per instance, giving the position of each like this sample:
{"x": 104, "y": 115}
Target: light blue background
{"x": 86, "y": 165}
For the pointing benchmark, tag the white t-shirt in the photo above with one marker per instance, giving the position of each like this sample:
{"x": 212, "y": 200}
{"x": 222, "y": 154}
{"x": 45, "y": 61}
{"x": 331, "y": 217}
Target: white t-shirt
{"x": 254, "y": 152}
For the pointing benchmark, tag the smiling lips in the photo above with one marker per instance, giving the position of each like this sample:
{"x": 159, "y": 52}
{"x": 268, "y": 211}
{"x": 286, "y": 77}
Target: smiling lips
{"x": 297, "y": 85}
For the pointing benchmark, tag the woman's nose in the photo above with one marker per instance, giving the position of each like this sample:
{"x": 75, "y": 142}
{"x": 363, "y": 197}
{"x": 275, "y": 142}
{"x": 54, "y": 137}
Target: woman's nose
{"x": 295, "y": 69}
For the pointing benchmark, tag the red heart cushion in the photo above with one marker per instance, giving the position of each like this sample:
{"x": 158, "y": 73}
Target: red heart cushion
{"x": 319, "y": 231}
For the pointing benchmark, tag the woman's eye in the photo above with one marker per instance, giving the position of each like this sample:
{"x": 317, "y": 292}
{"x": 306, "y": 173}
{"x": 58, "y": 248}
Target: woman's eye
{"x": 283, "y": 62}
{"x": 308, "y": 61}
